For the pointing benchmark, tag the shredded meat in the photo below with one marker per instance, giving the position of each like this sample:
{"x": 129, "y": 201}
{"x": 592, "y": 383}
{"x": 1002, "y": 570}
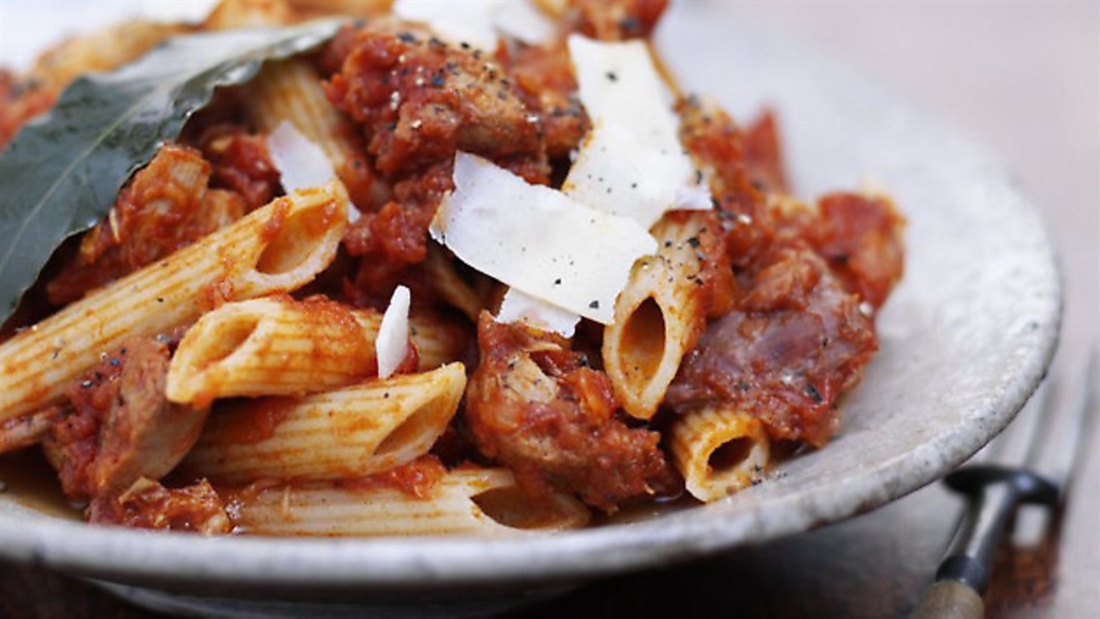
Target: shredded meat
{"x": 763, "y": 156}
{"x": 149, "y": 505}
{"x": 241, "y": 164}
{"x": 539, "y": 409}
{"x": 861, "y": 237}
{"x": 165, "y": 207}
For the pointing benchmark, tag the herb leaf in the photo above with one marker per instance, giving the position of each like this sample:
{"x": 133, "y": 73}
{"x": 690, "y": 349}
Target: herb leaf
{"x": 61, "y": 173}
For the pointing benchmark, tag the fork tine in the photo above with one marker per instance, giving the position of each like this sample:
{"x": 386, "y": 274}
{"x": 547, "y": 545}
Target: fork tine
{"x": 1064, "y": 430}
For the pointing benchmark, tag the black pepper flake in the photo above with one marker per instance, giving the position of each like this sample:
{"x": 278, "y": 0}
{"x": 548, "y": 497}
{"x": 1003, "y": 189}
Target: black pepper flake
{"x": 612, "y": 77}
{"x": 160, "y": 299}
{"x": 437, "y": 81}
{"x": 406, "y": 37}
{"x": 813, "y": 393}
{"x": 693, "y": 241}
{"x": 594, "y": 305}
{"x": 557, "y": 282}
{"x": 114, "y": 362}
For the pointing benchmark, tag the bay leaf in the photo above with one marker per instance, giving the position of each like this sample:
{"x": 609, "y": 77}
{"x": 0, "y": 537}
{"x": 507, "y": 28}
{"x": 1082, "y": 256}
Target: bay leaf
{"x": 62, "y": 172}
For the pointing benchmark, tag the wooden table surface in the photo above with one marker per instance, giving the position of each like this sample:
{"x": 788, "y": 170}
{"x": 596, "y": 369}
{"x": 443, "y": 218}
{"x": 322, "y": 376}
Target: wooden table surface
{"x": 1025, "y": 79}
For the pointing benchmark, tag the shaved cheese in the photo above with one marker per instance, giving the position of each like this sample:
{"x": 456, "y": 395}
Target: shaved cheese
{"x": 538, "y": 240}
{"x": 521, "y": 307}
{"x": 392, "y": 343}
{"x": 302, "y": 164}
{"x": 479, "y": 22}
{"x": 631, "y": 163}
{"x": 616, "y": 81}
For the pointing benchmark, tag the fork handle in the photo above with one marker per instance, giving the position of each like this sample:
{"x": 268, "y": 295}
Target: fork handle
{"x": 949, "y": 599}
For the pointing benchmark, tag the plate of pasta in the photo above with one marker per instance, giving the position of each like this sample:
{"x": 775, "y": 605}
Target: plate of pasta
{"x": 441, "y": 304}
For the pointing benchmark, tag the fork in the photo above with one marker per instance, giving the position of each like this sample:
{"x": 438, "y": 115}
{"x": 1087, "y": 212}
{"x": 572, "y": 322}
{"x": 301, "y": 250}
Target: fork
{"x": 1032, "y": 462}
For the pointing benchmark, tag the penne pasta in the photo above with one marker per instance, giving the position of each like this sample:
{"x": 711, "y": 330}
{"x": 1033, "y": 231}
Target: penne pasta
{"x": 438, "y": 341}
{"x": 345, "y": 433}
{"x": 452, "y": 289}
{"x": 466, "y": 500}
{"x": 496, "y": 171}
{"x": 274, "y": 249}
{"x": 719, "y": 451}
{"x": 270, "y": 346}
{"x": 291, "y": 91}
{"x": 658, "y": 316}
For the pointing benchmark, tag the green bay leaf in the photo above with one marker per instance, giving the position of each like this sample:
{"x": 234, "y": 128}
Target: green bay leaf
{"x": 62, "y": 172}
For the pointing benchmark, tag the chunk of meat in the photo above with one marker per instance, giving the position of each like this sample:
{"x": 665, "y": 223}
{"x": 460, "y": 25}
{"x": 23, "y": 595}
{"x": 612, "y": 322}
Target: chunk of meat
{"x": 149, "y": 505}
{"x": 420, "y": 100}
{"x": 241, "y": 164}
{"x": 165, "y": 207}
{"x": 121, "y": 427}
{"x": 763, "y": 156}
{"x": 539, "y": 409}
{"x": 797, "y": 341}
{"x": 544, "y": 76}
{"x": 715, "y": 144}
{"x": 861, "y": 237}
{"x": 20, "y": 432}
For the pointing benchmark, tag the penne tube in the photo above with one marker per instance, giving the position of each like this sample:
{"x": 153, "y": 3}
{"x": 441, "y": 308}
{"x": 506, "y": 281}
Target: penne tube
{"x": 464, "y": 501}
{"x": 719, "y": 451}
{"x": 658, "y": 316}
{"x": 275, "y": 249}
{"x": 292, "y": 91}
{"x": 270, "y": 346}
{"x": 438, "y": 341}
{"x": 280, "y": 346}
{"x": 345, "y": 433}
{"x": 450, "y": 287}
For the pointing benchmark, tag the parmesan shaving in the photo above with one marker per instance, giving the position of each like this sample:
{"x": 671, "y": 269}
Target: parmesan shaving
{"x": 302, "y": 164}
{"x": 392, "y": 343}
{"x": 631, "y": 163}
{"x": 517, "y": 306}
{"x": 538, "y": 240}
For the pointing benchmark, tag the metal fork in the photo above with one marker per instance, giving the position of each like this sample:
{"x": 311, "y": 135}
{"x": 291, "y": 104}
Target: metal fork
{"x": 1032, "y": 462}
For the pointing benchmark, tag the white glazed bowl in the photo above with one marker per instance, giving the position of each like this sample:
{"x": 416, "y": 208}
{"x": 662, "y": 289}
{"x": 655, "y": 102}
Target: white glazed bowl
{"x": 965, "y": 339}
